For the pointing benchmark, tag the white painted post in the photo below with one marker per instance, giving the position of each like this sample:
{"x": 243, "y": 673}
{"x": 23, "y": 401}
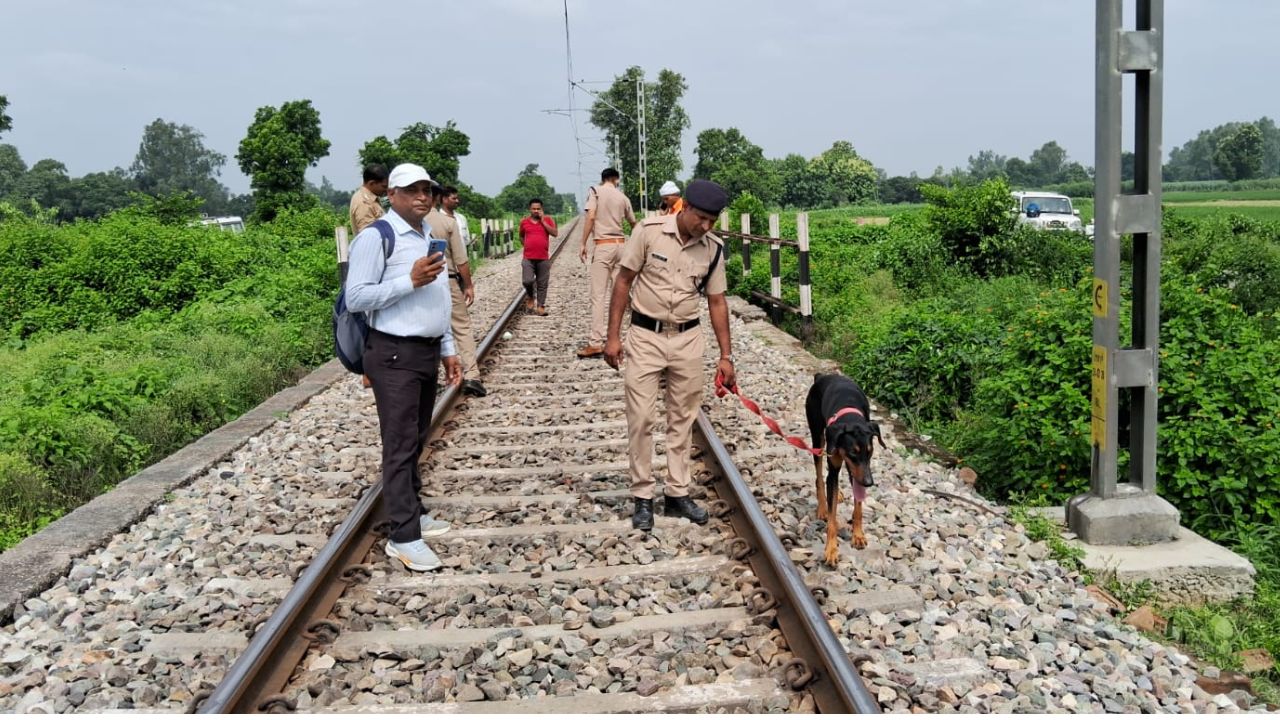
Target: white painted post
{"x": 344, "y": 256}
{"x": 775, "y": 259}
{"x": 806, "y": 286}
{"x": 746, "y": 244}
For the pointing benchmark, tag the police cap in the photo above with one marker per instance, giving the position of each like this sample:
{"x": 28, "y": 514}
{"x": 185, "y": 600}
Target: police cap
{"x": 706, "y": 196}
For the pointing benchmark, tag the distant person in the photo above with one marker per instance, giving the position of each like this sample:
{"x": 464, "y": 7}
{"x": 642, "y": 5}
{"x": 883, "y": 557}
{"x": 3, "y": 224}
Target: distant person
{"x": 463, "y": 291}
{"x": 408, "y": 335}
{"x": 666, "y": 266}
{"x": 536, "y": 232}
{"x": 607, "y": 207}
{"x": 671, "y": 201}
{"x": 364, "y": 203}
{"x": 449, "y": 205}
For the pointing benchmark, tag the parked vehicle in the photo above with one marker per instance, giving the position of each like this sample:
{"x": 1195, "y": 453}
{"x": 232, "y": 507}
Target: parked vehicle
{"x": 231, "y": 223}
{"x": 1047, "y": 211}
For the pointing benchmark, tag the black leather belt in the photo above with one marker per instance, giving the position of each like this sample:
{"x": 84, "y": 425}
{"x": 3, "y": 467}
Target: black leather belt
{"x": 639, "y": 319}
{"x": 406, "y": 338}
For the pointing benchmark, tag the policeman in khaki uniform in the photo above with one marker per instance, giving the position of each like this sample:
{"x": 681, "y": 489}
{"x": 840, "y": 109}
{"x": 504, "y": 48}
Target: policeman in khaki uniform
{"x": 462, "y": 290}
{"x": 607, "y": 207}
{"x": 661, "y": 274}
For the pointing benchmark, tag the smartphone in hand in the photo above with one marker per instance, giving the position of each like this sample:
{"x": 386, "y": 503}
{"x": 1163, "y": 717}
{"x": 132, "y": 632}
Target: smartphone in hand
{"x": 437, "y": 246}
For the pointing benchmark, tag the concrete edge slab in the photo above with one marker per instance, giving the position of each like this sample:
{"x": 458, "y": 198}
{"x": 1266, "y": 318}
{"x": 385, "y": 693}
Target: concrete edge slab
{"x": 35, "y": 564}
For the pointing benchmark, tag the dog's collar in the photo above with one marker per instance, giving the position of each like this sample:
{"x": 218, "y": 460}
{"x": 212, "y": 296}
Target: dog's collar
{"x": 845, "y": 411}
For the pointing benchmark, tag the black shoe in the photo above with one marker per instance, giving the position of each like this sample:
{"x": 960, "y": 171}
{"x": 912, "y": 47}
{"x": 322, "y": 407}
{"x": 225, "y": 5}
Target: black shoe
{"x": 685, "y": 508}
{"x": 643, "y": 517}
{"x": 473, "y": 388}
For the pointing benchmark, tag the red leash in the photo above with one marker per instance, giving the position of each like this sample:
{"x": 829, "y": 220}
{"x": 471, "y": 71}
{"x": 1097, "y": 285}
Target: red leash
{"x": 769, "y": 422}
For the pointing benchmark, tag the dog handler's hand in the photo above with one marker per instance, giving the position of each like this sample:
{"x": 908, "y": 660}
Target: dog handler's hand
{"x": 582, "y": 255}
{"x": 453, "y": 370}
{"x": 613, "y": 353}
{"x": 725, "y": 370}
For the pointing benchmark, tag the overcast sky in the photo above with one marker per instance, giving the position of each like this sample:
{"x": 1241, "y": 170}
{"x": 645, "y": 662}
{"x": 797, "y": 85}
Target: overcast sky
{"x": 913, "y": 84}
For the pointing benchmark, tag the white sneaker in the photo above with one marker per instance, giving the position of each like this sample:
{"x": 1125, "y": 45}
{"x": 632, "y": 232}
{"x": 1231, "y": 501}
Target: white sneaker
{"x": 432, "y": 527}
{"x": 415, "y": 555}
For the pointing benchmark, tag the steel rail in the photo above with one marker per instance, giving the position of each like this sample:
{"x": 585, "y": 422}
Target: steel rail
{"x": 826, "y": 671}
{"x": 264, "y": 668}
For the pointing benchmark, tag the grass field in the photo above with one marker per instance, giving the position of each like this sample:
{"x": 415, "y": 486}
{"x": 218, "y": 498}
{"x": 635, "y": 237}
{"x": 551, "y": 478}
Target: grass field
{"x": 1226, "y": 196}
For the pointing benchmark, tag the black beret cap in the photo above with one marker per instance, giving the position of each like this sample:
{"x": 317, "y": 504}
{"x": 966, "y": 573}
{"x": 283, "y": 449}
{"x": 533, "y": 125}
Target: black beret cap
{"x": 706, "y": 196}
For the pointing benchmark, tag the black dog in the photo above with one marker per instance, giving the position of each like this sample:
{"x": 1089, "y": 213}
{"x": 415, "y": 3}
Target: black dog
{"x": 840, "y": 421}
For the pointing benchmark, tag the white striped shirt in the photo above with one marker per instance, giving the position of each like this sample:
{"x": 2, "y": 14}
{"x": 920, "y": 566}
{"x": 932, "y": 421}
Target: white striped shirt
{"x": 401, "y": 309}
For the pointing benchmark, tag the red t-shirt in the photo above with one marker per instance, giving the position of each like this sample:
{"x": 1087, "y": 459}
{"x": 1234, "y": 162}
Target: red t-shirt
{"x": 537, "y": 243}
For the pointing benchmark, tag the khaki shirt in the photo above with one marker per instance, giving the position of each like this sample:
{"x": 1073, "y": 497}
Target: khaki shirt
{"x": 611, "y": 206}
{"x": 444, "y": 227}
{"x": 364, "y": 209}
{"x": 668, "y": 271}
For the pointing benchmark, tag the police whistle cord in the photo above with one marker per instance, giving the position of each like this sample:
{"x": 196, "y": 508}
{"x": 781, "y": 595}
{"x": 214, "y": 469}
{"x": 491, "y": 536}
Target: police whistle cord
{"x": 769, "y": 422}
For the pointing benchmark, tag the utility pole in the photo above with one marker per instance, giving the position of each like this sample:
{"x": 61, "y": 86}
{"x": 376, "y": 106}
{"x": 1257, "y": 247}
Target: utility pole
{"x": 642, "y": 132}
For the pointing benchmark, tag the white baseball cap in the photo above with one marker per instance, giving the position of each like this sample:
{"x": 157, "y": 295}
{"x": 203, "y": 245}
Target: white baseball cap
{"x": 669, "y": 188}
{"x": 407, "y": 174}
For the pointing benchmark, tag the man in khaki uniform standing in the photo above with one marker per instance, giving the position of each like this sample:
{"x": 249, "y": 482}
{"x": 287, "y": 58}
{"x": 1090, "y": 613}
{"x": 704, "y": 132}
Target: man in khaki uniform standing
{"x": 671, "y": 260}
{"x": 607, "y": 207}
{"x": 364, "y": 203}
{"x": 445, "y": 227}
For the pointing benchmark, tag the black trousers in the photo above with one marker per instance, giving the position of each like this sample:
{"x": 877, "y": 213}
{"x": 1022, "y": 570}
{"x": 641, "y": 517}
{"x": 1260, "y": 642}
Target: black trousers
{"x": 536, "y": 276}
{"x": 403, "y": 372}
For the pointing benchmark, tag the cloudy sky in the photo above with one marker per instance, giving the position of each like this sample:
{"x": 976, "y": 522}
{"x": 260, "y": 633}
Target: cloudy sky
{"x": 913, "y": 84}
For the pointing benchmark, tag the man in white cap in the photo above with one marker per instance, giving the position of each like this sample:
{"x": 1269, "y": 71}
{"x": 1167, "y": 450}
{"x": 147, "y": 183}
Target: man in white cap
{"x": 672, "y": 203}
{"x": 406, "y": 298}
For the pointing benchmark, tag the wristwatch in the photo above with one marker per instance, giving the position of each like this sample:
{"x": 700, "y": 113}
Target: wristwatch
{"x": 729, "y": 358}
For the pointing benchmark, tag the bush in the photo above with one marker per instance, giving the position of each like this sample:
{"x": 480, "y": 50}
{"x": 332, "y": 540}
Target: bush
{"x": 197, "y": 345}
{"x": 748, "y": 203}
{"x": 965, "y": 218}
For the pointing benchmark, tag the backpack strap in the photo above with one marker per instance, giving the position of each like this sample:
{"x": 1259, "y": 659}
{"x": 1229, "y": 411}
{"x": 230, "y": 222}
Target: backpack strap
{"x": 715, "y": 260}
{"x": 388, "y": 247}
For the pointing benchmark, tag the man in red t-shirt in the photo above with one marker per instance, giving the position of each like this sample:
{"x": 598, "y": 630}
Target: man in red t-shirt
{"x": 536, "y": 232}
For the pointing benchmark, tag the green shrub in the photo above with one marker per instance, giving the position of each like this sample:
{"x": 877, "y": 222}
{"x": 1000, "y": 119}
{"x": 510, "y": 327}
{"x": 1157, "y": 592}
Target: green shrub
{"x": 198, "y": 344}
{"x": 964, "y": 217}
{"x": 748, "y": 203}
{"x": 1026, "y": 431}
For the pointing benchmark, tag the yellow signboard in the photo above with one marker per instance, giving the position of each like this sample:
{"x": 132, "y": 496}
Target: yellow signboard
{"x": 1098, "y": 426}
{"x": 1099, "y": 297}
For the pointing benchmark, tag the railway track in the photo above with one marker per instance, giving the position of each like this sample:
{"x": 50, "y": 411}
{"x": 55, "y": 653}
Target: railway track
{"x": 549, "y": 601}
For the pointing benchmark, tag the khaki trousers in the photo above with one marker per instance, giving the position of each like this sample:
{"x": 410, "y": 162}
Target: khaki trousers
{"x": 651, "y": 356}
{"x": 604, "y": 268}
{"x": 464, "y": 340}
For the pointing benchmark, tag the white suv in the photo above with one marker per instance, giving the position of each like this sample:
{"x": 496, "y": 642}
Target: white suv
{"x": 1047, "y": 211}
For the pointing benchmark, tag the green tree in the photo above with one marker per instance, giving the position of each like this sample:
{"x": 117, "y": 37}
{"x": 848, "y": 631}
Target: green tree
{"x": 275, "y": 154}
{"x": 985, "y": 165}
{"x": 6, "y": 122}
{"x": 847, "y": 177}
{"x": 12, "y": 168}
{"x": 529, "y": 184}
{"x": 97, "y": 194}
{"x": 46, "y": 183}
{"x": 799, "y": 185}
{"x": 1239, "y": 154}
{"x": 615, "y": 114}
{"x": 172, "y": 158}
{"x": 330, "y": 196}
{"x": 1270, "y": 146}
{"x": 737, "y": 164}
{"x": 1019, "y": 173}
{"x": 437, "y": 149}
{"x": 900, "y": 189}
